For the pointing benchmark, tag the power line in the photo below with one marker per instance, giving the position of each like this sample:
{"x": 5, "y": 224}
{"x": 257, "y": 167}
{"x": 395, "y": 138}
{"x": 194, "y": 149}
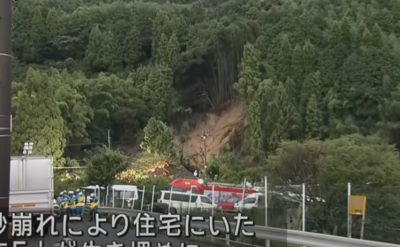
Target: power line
{"x": 86, "y": 144}
{"x": 98, "y": 143}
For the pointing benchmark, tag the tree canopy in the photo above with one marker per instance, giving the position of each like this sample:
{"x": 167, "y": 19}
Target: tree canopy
{"x": 104, "y": 165}
{"x": 318, "y": 79}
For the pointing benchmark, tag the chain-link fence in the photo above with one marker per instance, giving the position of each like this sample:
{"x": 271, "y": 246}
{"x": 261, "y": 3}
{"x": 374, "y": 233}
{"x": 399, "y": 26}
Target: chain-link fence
{"x": 326, "y": 210}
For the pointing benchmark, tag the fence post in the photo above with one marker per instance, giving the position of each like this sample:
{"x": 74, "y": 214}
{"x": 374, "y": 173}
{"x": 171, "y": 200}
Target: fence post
{"x": 227, "y": 239}
{"x": 349, "y": 219}
{"x": 141, "y": 204}
{"x": 267, "y": 242}
{"x": 303, "y": 208}
{"x": 170, "y": 197}
{"x": 152, "y": 198}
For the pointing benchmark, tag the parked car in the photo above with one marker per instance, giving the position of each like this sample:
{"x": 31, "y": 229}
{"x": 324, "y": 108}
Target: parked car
{"x": 182, "y": 201}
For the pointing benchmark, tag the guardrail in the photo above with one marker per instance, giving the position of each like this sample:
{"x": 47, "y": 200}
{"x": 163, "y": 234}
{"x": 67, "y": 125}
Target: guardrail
{"x": 308, "y": 239}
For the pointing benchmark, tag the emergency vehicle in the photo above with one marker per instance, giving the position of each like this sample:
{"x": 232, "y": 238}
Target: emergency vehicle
{"x": 225, "y": 195}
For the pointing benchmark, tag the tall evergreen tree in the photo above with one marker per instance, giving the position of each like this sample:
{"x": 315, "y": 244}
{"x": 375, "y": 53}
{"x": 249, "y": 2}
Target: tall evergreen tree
{"x": 158, "y": 92}
{"x": 296, "y": 68}
{"x": 291, "y": 90}
{"x": 309, "y": 58}
{"x": 359, "y": 34}
{"x": 255, "y": 126}
{"x": 312, "y": 86}
{"x": 173, "y": 49}
{"x": 313, "y": 119}
{"x": 100, "y": 53}
{"x": 284, "y": 59}
{"x": 249, "y": 76}
{"x": 129, "y": 44}
{"x": 158, "y": 28}
{"x": 367, "y": 39}
{"x": 38, "y": 119}
{"x": 335, "y": 34}
{"x": 162, "y": 51}
{"x": 377, "y": 36}
{"x": 345, "y": 32}
{"x": 284, "y": 108}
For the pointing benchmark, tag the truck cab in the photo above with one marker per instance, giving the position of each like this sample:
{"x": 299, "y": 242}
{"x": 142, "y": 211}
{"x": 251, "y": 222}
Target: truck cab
{"x": 185, "y": 185}
{"x": 31, "y": 187}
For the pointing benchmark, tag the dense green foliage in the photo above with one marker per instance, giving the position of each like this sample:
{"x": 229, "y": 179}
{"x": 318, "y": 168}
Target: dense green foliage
{"x": 104, "y": 164}
{"x": 370, "y": 164}
{"x": 330, "y": 68}
{"x": 311, "y": 73}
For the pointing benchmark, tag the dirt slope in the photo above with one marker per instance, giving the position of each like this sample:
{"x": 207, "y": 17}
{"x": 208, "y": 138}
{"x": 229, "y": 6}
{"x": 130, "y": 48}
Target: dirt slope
{"x": 220, "y": 128}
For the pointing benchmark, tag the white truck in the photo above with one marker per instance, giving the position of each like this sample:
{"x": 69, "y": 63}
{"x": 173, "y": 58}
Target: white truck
{"x": 31, "y": 187}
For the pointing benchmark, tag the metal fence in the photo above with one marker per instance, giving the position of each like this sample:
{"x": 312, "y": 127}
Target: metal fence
{"x": 325, "y": 211}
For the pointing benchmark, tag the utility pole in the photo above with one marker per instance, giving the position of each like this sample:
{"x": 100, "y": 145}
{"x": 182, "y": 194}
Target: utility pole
{"x": 5, "y": 111}
{"x": 109, "y": 138}
{"x": 204, "y": 138}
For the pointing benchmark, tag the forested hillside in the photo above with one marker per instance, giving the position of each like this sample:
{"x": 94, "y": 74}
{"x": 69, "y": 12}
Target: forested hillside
{"x": 319, "y": 80}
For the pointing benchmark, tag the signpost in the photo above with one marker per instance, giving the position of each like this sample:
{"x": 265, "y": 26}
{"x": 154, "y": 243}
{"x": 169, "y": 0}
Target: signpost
{"x": 356, "y": 208}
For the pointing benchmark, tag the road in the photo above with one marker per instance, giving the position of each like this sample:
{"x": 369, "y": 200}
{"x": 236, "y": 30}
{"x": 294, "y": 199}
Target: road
{"x": 102, "y": 240}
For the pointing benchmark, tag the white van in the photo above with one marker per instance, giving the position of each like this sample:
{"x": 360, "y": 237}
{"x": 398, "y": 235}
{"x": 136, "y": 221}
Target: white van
{"x": 258, "y": 199}
{"x": 126, "y": 194}
{"x": 251, "y": 201}
{"x": 100, "y": 192}
{"x": 180, "y": 201}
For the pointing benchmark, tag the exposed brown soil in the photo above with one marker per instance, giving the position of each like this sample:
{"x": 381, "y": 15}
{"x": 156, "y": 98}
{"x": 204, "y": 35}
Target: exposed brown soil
{"x": 219, "y": 129}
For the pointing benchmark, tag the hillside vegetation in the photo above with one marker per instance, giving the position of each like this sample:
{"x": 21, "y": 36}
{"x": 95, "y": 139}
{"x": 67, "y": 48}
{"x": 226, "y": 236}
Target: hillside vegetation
{"x": 318, "y": 81}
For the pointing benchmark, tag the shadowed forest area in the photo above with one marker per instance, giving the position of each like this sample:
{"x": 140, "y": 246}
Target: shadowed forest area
{"x": 317, "y": 82}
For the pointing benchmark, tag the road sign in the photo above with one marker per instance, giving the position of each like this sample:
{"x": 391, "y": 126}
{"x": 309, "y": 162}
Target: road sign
{"x": 357, "y": 205}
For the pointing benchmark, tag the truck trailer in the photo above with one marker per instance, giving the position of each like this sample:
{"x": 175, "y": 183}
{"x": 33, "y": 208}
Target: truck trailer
{"x": 32, "y": 187}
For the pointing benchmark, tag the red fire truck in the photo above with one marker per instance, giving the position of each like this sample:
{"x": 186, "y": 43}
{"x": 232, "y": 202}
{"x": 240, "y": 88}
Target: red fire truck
{"x": 225, "y": 195}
